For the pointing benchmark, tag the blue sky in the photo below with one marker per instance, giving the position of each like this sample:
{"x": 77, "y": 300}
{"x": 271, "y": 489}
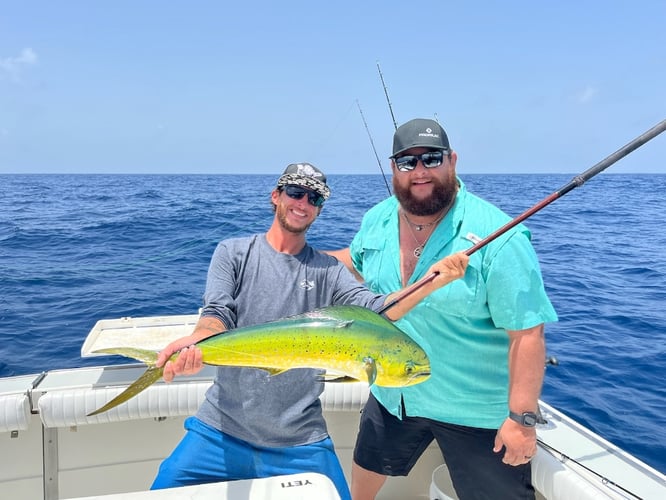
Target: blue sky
{"x": 220, "y": 87}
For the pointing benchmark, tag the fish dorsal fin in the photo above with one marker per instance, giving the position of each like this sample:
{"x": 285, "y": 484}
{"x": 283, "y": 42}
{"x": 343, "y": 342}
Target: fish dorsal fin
{"x": 370, "y": 368}
{"x": 333, "y": 323}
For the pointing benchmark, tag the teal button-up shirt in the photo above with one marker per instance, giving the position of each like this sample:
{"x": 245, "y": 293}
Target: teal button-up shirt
{"x": 463, "y": 325}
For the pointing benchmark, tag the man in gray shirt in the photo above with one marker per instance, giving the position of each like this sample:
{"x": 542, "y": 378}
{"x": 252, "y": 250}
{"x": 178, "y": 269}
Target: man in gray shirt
{"x": 252, "y": 424}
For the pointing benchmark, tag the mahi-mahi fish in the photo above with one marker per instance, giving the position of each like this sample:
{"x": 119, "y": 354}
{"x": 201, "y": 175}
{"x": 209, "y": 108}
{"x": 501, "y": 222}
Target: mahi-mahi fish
{"x": 348, "y": 342}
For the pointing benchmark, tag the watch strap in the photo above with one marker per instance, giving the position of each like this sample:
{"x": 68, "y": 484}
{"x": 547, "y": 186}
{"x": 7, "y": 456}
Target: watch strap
{"x": 526, "y": 419}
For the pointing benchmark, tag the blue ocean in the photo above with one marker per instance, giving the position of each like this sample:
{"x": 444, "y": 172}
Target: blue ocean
{"x": 75, "y": 249}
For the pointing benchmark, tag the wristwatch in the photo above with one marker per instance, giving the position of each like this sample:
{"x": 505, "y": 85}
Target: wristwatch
{"x": 526, "y": 419}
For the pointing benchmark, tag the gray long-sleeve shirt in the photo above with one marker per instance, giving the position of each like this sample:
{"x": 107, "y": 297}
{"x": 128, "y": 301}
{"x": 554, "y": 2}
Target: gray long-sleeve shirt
{"x": 250, "y": 283}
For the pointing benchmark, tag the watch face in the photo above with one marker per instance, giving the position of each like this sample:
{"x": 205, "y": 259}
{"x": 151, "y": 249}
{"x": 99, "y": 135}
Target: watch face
{"x": 529, "y": 419}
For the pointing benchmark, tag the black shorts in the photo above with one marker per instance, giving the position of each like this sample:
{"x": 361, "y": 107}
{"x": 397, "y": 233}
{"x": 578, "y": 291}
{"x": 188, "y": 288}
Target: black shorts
{"x": 390, "y": 446}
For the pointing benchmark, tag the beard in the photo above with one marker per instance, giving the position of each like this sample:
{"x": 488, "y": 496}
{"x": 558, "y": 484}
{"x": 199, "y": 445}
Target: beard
{"x": 442, "y": 196}
{"x": 284, "y": 222}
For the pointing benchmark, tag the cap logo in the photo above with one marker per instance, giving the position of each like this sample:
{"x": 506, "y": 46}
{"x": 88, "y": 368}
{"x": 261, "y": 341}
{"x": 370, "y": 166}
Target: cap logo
{"x": 428, "y": 133}
{"x": 305, "y": 169}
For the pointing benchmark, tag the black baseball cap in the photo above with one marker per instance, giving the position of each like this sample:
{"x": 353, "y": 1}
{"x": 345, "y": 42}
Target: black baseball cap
{"x": 419, "y": 133}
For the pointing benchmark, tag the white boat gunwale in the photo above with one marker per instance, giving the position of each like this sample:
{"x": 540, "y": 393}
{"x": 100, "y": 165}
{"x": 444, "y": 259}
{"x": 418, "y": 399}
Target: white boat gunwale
{"x": 571, "y": 460}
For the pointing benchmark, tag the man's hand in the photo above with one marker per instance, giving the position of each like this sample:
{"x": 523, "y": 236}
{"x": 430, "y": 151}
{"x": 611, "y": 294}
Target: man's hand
{"x": 450, "y": 268}
{"x": 519, "y": 442}
{"x": 188, "y": 362}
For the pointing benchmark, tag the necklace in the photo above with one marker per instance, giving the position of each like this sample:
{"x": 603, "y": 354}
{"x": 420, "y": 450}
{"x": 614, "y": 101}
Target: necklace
{"x": 420, "y": 227}
{"x": 419, "y": 246}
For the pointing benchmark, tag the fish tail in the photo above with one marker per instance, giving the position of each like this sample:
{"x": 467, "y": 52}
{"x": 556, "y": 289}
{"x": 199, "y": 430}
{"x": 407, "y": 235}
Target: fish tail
{"x": 149, "y": 377}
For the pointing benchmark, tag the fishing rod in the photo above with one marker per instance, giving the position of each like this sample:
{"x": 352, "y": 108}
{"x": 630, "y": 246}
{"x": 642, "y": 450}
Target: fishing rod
{"x": 372, "y": 143}
{"x": 577, "y": 181}
{"x": 395, "y": 125}
{"x": 565, "y": 458}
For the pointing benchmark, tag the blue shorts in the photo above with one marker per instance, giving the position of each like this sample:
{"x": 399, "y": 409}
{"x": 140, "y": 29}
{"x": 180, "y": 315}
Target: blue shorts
{"x": 207, "y": 455}
{"x": 390, "y": 446}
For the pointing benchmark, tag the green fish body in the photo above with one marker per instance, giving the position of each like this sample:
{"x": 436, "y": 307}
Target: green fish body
{"x": 348, "y": 342}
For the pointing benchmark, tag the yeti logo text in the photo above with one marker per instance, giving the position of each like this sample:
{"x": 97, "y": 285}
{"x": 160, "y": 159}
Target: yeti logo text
{"x": 291, "y": 484}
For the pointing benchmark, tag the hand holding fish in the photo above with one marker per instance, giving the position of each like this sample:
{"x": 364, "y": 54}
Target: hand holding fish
{"x": 189, "y": 361}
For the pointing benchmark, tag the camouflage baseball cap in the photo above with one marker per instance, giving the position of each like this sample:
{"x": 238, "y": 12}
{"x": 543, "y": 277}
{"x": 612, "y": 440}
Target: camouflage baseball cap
{"x": 306, "y": 175}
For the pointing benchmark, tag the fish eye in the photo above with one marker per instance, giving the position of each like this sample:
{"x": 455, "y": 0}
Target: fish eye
{"x": 409, "y": 367}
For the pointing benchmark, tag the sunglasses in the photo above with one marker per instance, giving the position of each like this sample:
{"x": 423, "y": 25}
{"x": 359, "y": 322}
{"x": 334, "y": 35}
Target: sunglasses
{"x": 297, "y": 193}
{"x": 431, "y": 159}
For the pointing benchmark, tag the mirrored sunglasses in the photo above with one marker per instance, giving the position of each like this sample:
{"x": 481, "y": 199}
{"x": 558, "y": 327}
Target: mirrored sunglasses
{"x": 297, "y": 192}
{"x": 430, "y": 159}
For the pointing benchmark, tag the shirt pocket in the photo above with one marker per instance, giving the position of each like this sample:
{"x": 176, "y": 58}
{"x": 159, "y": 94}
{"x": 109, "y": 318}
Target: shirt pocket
{"x": 377, "y": 261}
{"x": 463, "y": 297}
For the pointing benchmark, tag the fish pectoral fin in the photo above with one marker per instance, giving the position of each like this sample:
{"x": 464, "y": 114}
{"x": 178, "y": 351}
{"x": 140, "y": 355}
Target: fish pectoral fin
{"x": 150, "y": 376}
{"x": 370, "y": 368}
{"x": 336, "y": 379}
{"x": 273, "y": 371}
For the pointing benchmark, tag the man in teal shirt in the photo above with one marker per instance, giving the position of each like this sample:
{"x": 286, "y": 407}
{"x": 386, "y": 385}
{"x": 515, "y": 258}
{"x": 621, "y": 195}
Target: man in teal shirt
{"x": 483, "y": 333}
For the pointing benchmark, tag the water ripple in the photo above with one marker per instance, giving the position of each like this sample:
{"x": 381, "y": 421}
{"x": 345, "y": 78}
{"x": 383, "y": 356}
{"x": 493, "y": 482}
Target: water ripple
{"x": 75, "y": 249}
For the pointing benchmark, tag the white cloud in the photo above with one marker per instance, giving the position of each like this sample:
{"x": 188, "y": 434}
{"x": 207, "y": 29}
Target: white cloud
{"x": 587, "y": 94}
{"x": 13, "y": 66}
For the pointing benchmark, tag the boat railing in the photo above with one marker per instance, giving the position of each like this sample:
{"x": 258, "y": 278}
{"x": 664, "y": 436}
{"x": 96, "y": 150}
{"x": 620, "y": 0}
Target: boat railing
{"x": 63, "y": 398}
